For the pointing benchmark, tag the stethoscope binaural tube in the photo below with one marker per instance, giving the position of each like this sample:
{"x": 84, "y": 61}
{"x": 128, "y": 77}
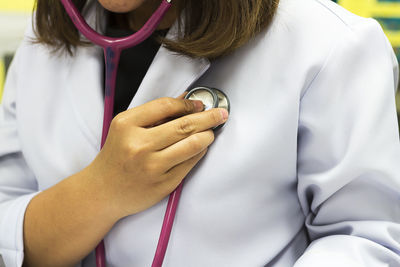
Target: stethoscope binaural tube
{"x": 112, "y": 50}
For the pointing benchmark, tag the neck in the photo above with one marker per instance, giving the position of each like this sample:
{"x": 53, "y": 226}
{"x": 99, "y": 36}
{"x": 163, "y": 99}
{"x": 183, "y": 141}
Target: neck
{"x": 138, "y": 17}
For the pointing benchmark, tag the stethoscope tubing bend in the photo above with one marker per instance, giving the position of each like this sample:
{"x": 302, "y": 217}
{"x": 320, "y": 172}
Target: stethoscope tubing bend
{"x": 116, "y": 43}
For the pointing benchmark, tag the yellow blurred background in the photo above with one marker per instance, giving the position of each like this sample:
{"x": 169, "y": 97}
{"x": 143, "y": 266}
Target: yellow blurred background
{"x": 14, "y": 14}
{"x": 16, "y": 5}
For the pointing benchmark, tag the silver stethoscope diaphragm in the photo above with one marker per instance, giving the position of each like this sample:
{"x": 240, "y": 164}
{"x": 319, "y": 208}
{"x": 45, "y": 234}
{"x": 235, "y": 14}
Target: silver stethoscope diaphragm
{"x": 211, "y": 98}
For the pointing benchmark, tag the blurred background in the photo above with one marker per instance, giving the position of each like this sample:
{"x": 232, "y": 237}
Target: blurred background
{"x": 14, "y": 16}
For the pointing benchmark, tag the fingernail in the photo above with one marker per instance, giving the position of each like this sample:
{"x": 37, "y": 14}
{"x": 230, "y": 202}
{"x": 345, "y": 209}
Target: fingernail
{"x": 224, "y": 114}
{"x": 198, "y": 105}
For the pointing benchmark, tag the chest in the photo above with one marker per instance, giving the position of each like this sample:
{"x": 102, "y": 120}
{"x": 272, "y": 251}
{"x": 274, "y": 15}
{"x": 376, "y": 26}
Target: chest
{"x": 247, "y": 173}
{"x": 61, "y": 128}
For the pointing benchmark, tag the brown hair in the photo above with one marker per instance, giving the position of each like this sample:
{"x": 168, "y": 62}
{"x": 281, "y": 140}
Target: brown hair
{"x": 210, "y": 28}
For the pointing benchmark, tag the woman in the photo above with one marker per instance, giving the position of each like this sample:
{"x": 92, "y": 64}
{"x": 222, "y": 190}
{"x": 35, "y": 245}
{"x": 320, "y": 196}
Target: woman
{"x": 304, "y": 173}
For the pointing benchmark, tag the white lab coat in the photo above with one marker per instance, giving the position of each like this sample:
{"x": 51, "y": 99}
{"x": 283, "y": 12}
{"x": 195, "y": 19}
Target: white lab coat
{"x": 305, "y": 173}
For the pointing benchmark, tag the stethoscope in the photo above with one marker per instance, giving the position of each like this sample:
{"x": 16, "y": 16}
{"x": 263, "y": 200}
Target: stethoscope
{"x": 211, "y": 97}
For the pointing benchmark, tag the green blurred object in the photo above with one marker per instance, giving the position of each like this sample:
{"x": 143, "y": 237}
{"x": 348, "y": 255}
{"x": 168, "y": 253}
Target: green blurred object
{"x": 7, "y": 61}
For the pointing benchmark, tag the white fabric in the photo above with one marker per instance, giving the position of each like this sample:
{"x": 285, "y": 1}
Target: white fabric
{"x": 305, "y": 173}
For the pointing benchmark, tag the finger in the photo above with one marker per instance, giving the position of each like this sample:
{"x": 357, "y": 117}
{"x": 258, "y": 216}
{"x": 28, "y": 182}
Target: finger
{"x": 175, "y": 175}
{"x": 184, "y": 149}
{"x": 154, "y": 111}
{"x": 182, "y": 96}
{"x": 171, "y": 132}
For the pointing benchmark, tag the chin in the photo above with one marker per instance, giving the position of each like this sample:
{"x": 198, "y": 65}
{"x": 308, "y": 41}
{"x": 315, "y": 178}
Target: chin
{"x": 121, "y": 6}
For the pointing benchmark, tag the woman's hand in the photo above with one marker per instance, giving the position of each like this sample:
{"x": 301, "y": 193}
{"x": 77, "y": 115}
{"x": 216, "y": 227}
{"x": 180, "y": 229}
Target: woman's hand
{"x": 143, "y": 161}
{"x": 145, "y": 157}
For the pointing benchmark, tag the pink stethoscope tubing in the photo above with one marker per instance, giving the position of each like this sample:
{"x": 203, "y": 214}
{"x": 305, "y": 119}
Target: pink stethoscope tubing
{"x": 112, "y": 50}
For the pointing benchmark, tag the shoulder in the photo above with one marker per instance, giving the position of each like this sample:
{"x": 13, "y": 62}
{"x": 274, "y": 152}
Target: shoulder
{"x": 320, "y": 25}
{"x": 313, "y": 28}
{"x": 33, "y": 57}
{"x": 306, "y": 35}
{"x": 31, "y": 48}
{"x": 316, "y": 23}
{"x": 317, "y": 16}
{"x": 323, "y": 33}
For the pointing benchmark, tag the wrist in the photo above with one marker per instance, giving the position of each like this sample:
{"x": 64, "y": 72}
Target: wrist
{"x": 97, "y": 194}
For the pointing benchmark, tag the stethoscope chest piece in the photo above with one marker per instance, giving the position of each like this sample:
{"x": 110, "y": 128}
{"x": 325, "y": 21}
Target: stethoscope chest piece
{"x": 211, "y": 98}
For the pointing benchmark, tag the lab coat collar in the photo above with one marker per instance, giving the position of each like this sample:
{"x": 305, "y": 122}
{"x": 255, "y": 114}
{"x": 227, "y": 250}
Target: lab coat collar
{"x": 170, "y": 74}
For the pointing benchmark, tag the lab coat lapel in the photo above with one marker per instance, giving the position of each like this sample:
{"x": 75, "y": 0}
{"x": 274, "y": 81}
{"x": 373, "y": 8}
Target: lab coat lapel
{"x": 169, "y": 75}
{"x": 84, "y": 84}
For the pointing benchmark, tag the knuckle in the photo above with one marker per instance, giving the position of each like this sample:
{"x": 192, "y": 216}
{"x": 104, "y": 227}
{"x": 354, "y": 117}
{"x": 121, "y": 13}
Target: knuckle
{"x": 167, "y": 105}
{"x": 195, "y": 143}
{"x": 188, "y": 106}
{"x": 216, "y": 116}
{"x": 185, "y": 127}
{"x": 136, "y": 149}
{"x": 150, "y": 168}
{"x": 119, "y": 123}
{"x": 211, "y": 136}
{"x": 172, "y": 185}
{"x": 171, "y": 182}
